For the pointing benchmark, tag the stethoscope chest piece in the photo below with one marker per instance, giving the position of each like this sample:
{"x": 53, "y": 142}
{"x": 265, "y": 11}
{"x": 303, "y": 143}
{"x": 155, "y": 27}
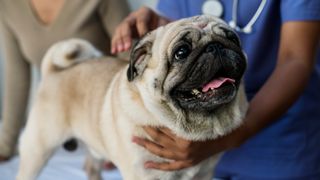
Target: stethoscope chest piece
{"x": 212, "y": 7}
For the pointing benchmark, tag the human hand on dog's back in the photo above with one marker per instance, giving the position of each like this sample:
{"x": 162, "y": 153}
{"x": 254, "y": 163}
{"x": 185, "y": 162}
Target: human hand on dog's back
{"x": 135, "y": 25}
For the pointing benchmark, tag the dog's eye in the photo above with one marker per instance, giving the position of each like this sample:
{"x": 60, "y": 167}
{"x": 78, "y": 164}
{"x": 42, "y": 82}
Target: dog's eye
{"x": 182, "y": 52}
{"x": 233, "y": 37}
{"x": 230, "y": 35}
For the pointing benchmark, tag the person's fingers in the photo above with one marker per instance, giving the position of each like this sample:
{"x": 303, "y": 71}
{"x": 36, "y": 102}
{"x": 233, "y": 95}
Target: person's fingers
{"x": 126, "y": 36}
{"x": 122, "y": 38}
{"x": 159, "y": 137}
{"x": 146, "y": 20}
{"x": 142, "y": 26}
{"x": 180, "y": 142}
{"x": 113, "y": 50}
{"x": 168, "y": 166}
{"x": 116, "y": 39}
{"x": 158, "y": 150}
{"x": 120, "y": 46}
{"x": 168, "y": 132}
{"x": 127, "y": 44}
{"x": 144, "y": 142}
{"x": 114, "y": 43}
{"x": 137, "y": 24}
{"x": 155, "y": 148}
{"x": 183, "y": 149}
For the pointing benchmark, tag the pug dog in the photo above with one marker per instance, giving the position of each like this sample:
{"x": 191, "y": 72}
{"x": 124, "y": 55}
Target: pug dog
{"x": 185, "y": 76}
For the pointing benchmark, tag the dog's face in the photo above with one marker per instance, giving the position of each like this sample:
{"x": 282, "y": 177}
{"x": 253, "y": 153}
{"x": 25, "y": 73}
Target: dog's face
{"x": 191, "y": 70}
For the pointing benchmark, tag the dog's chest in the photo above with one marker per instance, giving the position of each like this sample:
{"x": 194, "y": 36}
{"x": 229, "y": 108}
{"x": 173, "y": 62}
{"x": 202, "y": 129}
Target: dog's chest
{"x": 203, "y": 170}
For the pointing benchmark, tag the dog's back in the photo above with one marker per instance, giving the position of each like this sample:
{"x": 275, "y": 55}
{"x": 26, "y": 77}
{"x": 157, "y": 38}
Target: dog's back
{"x": 71, "y": 90}
{"x": 76, "y": 75}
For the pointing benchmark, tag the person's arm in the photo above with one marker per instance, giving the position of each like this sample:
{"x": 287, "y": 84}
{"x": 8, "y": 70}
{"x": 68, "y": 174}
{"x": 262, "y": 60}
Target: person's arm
{"x": 16, "y": 90}
{"x": 298, "y": 45}
{"x": 297, "y": 52}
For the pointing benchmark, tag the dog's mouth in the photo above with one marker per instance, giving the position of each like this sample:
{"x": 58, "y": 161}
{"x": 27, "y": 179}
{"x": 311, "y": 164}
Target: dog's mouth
{"x": 219, "y": 90}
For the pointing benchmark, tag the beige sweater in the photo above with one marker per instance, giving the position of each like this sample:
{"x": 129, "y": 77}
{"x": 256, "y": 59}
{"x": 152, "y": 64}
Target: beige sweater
{"x": 25, "y": 40}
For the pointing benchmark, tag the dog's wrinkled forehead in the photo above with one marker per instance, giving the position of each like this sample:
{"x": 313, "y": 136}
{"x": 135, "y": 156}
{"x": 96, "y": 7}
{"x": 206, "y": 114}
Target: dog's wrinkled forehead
{"x": 199, "y": 29}
{"x": 204, "y": 23}
{"x": 210, "y": 23}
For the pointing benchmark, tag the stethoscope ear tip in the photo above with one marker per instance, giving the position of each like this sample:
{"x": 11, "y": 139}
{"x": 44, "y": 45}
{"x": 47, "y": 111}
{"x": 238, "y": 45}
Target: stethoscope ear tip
{"x": 247, "y": 30}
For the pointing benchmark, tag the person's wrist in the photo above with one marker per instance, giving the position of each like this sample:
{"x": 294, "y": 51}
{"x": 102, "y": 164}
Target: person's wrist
{"x": 238, "y": 137}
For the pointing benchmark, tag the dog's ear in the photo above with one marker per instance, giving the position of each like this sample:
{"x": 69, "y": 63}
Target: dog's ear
{"x": 140, "y": 54}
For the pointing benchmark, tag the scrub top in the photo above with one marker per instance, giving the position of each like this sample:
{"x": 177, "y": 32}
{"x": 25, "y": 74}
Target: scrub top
{"x": 290, "y": 147}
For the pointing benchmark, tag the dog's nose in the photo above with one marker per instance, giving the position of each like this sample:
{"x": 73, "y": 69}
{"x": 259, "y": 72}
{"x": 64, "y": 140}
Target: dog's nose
{"x": 213, "y": 47}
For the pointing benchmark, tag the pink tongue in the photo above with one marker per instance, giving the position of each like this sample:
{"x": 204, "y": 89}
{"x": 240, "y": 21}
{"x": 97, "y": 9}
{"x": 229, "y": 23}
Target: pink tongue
{"x": 216, "y": 83}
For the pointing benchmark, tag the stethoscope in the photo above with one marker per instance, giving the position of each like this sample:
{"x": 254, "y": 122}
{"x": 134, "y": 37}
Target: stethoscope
{"x": 215, "y": 8}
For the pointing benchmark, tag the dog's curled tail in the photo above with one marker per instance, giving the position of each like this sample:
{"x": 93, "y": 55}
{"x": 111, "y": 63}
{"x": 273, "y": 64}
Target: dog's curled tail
{"x": 66, "y": 53}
